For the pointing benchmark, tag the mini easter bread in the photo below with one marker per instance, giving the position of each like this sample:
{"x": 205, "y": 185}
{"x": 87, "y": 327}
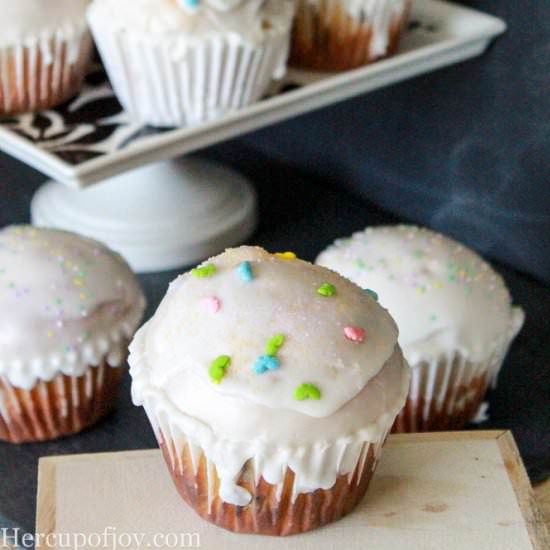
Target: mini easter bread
{"x": 45, "y": 50}
{"x": 68, "y": 308}
{"x": 183, "y": 62}
{"x": 454, "y": 313}
{"x": 337, "y": 35}
{"x": 271, "y": 385}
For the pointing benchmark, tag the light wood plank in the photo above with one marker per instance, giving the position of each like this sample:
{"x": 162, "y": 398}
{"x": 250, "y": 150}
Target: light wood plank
{"x": 534, "y": 519}
{"x": 46, "y": 499}
{"x": 542, "y": 495}
{"x": 504, "y": 443}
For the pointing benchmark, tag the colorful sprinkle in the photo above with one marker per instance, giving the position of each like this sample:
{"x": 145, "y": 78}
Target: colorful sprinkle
{"x": 307, "y": 391}
{"x": 372, "y": 294}
{"x": 266, "y": 363}
{"x": 327, "y": 290}
{"x": 205, "y": 271}
{"x": 245, "y": 272}
{"x": 211, "y": 304}
{"x": 274, "y": 344}
{"x": 355, "y": 334}
{"x": 192, "y": 4}
{"x": 218, "y": 367}
{"x": 286, "y": 255}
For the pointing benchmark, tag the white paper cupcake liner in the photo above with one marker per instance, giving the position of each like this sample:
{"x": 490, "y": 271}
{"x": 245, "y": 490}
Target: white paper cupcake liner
{"x": 344, "y": 34}
{"x": 447, "y": 391}
{"x": 63, "y": 406}
{"x": 315, "y": 466}
{"x": 45, "y": 70}
{"x": 163, "y": 83}
{"x": 280, "y": 506}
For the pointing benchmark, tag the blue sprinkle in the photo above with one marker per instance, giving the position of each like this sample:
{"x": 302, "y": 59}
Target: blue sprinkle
{"x": 192, "y": 3}
{"x": 245, "y": 272}
{"x": 372, "y": 294}
{"x": 266, "y": 363}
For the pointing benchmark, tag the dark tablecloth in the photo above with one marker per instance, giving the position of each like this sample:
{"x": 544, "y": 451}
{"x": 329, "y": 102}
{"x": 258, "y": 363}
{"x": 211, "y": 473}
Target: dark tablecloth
{"x": 302, "y": 213}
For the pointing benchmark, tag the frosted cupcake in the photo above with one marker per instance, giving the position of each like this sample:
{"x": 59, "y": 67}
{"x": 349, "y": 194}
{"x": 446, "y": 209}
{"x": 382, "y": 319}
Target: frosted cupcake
{"x": 68, "y": 308}
{"x": 454, "y": 314}
{"x": 336, "y": 35}
{"x": 271, "y": 385}
{"x": 45, "y": 50}
{"x": 183, "y": 62}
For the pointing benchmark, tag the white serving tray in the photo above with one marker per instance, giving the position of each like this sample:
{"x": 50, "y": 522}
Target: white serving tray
{"x": 91, "y": 138}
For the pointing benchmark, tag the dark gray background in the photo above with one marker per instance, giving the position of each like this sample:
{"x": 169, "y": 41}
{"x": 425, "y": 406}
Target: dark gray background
{"x": 465, "y": 150}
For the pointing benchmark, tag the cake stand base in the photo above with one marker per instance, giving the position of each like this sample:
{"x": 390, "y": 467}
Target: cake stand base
{"x": 165, "y": 216}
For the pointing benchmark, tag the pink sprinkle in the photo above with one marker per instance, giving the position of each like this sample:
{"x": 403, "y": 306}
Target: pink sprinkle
{"x": 211, "y": 304}
{"x": 355, "y": 334}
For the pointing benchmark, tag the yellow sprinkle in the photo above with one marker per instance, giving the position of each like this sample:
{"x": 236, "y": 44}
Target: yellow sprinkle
{"x": 83, "y": 296}
{"x": 50, "y": 334}
{"x": 286, "y": 255}
{"x": 438, "y": 284}
{"x": 78, "y": 281}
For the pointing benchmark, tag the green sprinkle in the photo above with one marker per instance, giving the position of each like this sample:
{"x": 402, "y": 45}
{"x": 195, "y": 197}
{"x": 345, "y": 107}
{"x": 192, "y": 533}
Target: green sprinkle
{"x": 433, "y": 317}
{"x": 307, "y": 391}
{"x": 372, "y": 294}
{"x": 273, "y": 344}
{"x": 218, "y": 367}
{"x": 360, "y": 263}
{"x": 327, "y": 290}
{"x": 204, "y": 272}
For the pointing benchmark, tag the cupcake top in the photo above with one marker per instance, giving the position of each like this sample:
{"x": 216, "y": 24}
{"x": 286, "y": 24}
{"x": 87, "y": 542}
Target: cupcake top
{"x": 252, "y": 353}
{"x": 66, "y": 302}
{"x": 32, "y": 21}
{"x": 444, "y": 297}
{"x": 245, "y": 19}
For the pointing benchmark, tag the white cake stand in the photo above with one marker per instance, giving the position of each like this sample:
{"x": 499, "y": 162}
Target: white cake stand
{"x": 158, "y": 217}
{"x": 173, "y": 213}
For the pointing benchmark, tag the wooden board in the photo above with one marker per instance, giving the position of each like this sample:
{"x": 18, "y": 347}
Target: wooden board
{"x": 431, "y": 491}
{"x": 542, "y": 496}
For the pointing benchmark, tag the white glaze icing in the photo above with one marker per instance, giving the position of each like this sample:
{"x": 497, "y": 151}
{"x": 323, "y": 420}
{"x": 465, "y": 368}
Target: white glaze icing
{"x": 249, "y": 21}
{"x": 380, "y": 14}
{"x": 40, "y": 23}
{"x": 251, "y": 416}
{"x": 444, "y": 297}
{"x": 66, "y": 302}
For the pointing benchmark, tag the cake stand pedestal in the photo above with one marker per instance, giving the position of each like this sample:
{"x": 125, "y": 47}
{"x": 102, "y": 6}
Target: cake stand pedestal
{"x": 161, "y": 216}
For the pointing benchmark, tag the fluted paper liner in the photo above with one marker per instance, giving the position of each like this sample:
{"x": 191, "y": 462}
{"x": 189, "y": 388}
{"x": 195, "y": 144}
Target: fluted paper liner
{"x": 274, "y": 509}
{"x": 44, "y": 72}
{"x": 447, "y": 391}
{"x": 160, "y": 86}
{"x": 326, "y": 37}
{"x": 282, "y": 507}
{"x": 63, "y": 406}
